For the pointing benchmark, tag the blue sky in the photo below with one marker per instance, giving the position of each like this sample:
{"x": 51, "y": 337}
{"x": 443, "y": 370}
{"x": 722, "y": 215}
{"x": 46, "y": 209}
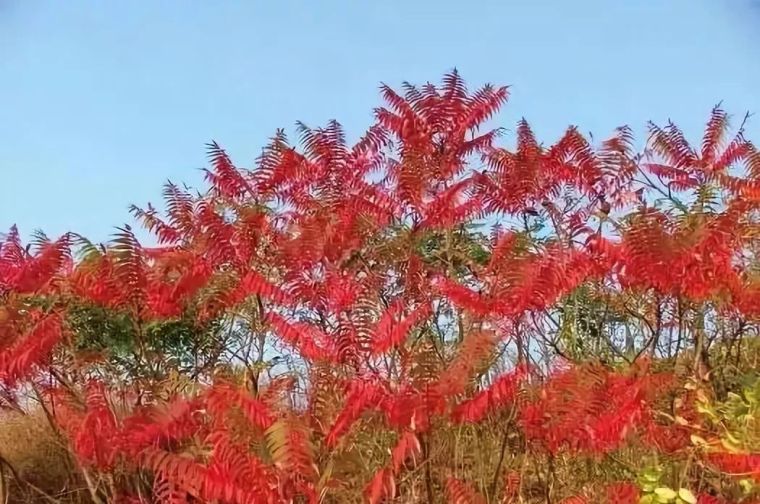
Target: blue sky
{"x": 101, "y": 102}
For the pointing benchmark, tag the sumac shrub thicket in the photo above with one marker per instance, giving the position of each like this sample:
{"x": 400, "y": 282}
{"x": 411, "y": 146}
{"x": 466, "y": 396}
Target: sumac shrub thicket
{"x": 424, "y": 315}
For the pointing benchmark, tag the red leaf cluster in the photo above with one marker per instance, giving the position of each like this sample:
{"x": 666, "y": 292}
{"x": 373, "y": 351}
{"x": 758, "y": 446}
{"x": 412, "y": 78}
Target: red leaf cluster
{"x": 363, "y": 262}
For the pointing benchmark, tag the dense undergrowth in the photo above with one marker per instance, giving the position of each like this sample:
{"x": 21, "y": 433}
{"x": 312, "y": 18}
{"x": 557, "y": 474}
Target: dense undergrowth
{"x": 422, "y": 316}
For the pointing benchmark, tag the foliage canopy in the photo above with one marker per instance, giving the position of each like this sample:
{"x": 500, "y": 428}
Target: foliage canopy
{"x": 423, "y": 316}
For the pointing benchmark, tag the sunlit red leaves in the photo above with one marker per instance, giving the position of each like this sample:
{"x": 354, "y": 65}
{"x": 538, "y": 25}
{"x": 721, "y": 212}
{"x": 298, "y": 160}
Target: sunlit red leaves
{"x": 589, "y": 409}
{"x": 408, "y": 447}
{"x": 253, "y": 283}
{"x": 393, "y": 327}
{"x": 89, "y": 426}
{"x": 489, "y": 400}
{"x": 94, "y": 280}
{"x": 130, "y": 268}
{"x": 461, "y": 492}
{"x": 512, "y": 481}
{"x": 666, "y": 438}
{"x": 411, "y": 408}
{"x": 23, "y": 272}
{"x": 175, "y": 473}
{"x": 622, "y": 493}
{"x": 309, "y": 341}
{"x": 318, "y": 241}
{"x": 696, "y": 261}
{"x": 326, "y": 289}
{"x": 529, "y": 281}
{"x": 235, "y": 475}
{"x": 532, "y": 174}
{"x": 21, "y": 353}
{"x": 160, "y": 426}
{"x": 175, "y": 278}
{"x": 575, "y": 499}
{"x": 465, "y": 298}
{"x": 431, "y": 126}
{"x": 362, "y": 395}
{"x": 472, "y": 354}
{"x": 450, "y": 207}
{"x": 382, "y": 485}
{"x": 148, "y": 437}
{"x": 225, "y": 177}
{"x": 683, "y": 167}
{"x": 539, "y": 281}
{"x": 223, "y": 396}
{"x": 746, "y": 465}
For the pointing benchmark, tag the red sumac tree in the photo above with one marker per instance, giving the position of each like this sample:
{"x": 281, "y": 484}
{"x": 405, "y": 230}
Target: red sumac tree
{"x": 425, "y": 315}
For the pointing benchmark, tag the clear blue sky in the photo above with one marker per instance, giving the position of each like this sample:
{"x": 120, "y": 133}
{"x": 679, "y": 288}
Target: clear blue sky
{"x": 101, "y": 102}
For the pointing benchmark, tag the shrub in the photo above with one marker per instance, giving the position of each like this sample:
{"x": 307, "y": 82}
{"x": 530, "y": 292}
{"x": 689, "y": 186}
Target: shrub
{"x": 422, "y": 315}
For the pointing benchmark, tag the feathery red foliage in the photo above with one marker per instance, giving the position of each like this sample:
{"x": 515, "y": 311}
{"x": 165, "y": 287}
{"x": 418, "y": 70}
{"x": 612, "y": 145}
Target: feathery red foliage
{"x": 365, "y": 261}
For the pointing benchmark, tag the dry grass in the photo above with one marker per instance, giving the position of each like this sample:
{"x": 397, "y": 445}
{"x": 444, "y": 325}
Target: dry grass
{"x": 38, "y": 462}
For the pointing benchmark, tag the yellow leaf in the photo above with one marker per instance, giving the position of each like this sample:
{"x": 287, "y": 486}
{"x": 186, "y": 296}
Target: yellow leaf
{"x": 730, "y": 445}
{"x": 665, "y": 494}
{"x": 686, "y": 496}
{"x": 697, "y": 441}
